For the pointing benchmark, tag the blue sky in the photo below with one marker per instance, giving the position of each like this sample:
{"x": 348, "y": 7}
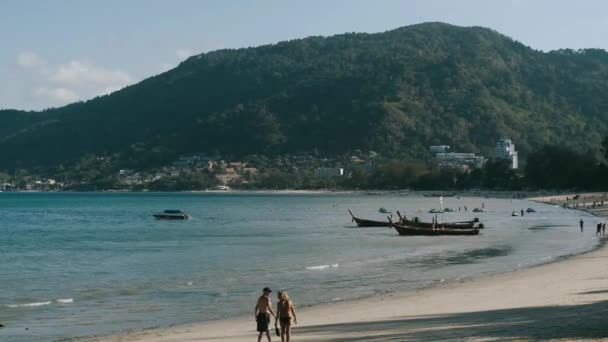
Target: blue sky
{"x": 60, "y": 51}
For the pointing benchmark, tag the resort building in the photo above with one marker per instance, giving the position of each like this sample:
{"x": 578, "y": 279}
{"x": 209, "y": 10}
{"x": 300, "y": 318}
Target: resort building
{"x": 505, "y": 150}
{"x": 454, "y": 159}
{"x": 328, "y": 172}
{"x": 463, "y": 160}
{"x": 228, "y": 176}
{"x": 440, "y": 149}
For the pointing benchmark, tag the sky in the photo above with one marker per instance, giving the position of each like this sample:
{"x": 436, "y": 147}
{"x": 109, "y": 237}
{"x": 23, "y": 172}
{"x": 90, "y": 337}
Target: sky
{"x": 56, "y": 52}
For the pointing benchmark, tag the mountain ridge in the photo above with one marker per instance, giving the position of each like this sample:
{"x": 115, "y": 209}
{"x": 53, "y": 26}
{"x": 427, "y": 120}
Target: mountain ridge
{"x": 395, "y": 92}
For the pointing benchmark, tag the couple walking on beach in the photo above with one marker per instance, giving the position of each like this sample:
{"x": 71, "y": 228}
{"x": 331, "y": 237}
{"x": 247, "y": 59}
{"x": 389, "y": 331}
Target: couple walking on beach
{"x": 285, "y": 313}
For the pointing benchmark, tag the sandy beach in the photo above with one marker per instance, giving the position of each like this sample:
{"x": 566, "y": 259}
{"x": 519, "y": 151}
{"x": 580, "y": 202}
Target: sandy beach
{"x": 566, "y": 300}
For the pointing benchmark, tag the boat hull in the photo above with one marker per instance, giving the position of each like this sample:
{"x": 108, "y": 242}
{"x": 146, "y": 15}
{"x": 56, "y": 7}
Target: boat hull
{"x": 171, "y": 217}
{"x": 449, "y": 225}
{"x": 414, "y": 231}
{"x": 368, "y": 223}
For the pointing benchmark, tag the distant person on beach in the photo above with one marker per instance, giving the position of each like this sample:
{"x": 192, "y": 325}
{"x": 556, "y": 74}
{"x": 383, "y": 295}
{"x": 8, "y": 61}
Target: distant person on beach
{"x": 603, "y": 228}
{"x": 598, "y": 231}
{"x": 522, "y": 212}
{"x": 285, "y": 313}
{"x": 581, "y": 223}
{"x": 262, "y": 312}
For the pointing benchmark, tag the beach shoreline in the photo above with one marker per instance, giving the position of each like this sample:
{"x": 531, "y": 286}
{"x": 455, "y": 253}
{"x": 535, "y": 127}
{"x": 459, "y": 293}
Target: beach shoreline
{"x": 437, "y": 312}
{"x": 201, "y": 330}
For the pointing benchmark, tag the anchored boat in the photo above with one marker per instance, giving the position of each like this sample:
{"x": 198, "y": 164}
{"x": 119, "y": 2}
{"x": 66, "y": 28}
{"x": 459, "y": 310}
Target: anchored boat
{"x": 368, "y": 223}
{"x": 450, "y": 225}
{"x": 413, "y": 231}
{"x": 172, "y": 214}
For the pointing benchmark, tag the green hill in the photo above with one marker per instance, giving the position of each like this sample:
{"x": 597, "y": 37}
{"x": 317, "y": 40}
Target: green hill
{"x": 395, "y": 92}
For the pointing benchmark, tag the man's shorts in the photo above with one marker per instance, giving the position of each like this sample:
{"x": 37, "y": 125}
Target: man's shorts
{"x": 263, "y": 320}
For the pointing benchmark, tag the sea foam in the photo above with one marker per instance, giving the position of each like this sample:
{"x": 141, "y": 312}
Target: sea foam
{"x": 321, "y": 267}
{"x": 28, "y": 305}
{"x": 65, "y": 300}
{"x": 36, "y": 304}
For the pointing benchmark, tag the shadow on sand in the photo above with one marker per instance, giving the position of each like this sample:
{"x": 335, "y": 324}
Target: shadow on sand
{"x": 534, "y": 323}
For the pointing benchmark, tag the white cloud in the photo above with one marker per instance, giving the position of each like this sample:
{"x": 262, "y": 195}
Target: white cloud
{"x": 58, "y": 95}
{"x": 183, "y": 53}
{"x": 53, "y": 85}
{"x": 28, "y": 59}
{"x": 79, "y": 73}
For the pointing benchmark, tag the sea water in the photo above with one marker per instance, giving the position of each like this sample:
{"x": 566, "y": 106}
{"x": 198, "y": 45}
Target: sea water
{"x": 74, "y": 264}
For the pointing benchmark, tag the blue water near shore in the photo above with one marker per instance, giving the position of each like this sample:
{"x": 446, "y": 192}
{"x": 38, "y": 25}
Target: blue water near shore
{"x": 74, "y": 264}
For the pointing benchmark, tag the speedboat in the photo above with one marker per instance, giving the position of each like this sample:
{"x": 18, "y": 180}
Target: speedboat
{"x": 530, "y": 210}
{"x": 515, "y": 213}
{"x": 478, "y": 210}
{"x": 172, "y": 214}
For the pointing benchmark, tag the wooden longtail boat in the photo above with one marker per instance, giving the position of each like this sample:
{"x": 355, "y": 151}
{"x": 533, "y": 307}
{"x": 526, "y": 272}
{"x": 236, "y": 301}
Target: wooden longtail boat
{"x": 451, "y": 225}
{"x": 414, "y": 231}
{"x": 368, "y": 223}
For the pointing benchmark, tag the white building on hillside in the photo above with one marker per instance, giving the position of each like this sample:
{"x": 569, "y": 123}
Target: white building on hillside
{"x": 505, "y": 150}
{"x": 440, "y": 149}
{"x": 453, "y": 159}
{"x": 328, "y": 172}
{"x": 465, "y": 161}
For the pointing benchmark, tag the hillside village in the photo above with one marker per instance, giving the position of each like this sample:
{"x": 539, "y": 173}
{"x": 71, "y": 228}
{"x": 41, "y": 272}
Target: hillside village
{"x": 222, "y": 174}
{"x": 201, "y": 171}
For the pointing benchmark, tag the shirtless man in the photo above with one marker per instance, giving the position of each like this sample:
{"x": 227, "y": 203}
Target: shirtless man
{"x": 262, "y": 312}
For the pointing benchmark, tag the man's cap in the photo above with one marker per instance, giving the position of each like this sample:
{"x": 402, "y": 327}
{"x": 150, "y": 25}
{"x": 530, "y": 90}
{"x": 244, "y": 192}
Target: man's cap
{"x": 267, "y": 289}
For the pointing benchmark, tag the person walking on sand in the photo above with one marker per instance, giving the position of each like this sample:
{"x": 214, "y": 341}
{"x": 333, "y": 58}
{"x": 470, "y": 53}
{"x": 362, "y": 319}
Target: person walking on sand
{"x": 581, "y": 223}
{"x": 604, "y": 229}
{"x": 598, "y": 230}
{"x": 262, "y": 312}
{"x": 285, "y": 313}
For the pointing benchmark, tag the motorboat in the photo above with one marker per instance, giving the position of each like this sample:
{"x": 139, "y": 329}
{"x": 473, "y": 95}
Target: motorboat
{"x": 530, "y": 210}
{"x": 172, "y": 214}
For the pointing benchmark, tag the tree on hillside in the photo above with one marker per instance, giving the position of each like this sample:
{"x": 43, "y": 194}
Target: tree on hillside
{"x": 605, "y": 147}
{"x": 559, "y": 167}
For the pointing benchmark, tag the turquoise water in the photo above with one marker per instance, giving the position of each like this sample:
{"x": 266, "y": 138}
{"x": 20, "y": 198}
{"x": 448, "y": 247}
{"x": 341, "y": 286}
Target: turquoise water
{"x": 74, "y": 264}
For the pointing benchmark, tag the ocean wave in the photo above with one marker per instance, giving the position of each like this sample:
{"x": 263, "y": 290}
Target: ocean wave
{"x": 28, "y": 305}
{"x": 65, "y": 300}
{"x": 321, "y": 267}
{"x": 37, "y": 304}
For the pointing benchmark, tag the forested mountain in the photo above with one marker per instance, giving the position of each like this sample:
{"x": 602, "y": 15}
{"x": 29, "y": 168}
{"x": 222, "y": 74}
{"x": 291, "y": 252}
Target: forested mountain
{"x": 395, "y": 92}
